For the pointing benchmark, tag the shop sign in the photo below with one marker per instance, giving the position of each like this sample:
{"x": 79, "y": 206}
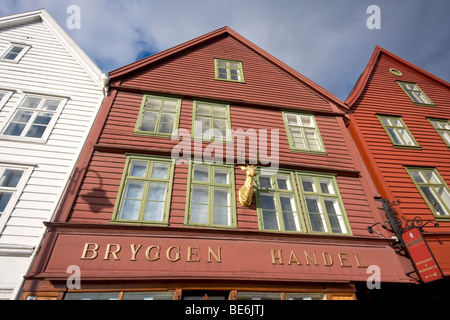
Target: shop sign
{"x": 424, "y": 261}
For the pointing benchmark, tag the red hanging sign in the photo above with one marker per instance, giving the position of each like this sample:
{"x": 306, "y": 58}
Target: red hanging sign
{"x": 420, "y": 253}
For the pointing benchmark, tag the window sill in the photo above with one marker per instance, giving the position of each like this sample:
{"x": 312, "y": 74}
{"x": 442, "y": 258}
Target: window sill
{"x": 140, "y": 223}
{"x": 227, "y": 80}
{"x": 204, "y": 226}
{"x": 23, "y": 139}
{"x": 408, "y": 147}
{"x": 425, "y": 104}
{"x": 308, "y": 151}
{"x": 152, "y": 134}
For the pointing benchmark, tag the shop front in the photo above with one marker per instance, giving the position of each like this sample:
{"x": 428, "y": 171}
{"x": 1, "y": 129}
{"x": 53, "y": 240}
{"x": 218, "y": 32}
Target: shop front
{"x": 82, "y": 262}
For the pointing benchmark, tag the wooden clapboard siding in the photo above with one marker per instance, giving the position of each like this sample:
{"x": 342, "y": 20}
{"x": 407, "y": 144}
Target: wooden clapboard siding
{"x": 53, "y": 66}
{"x": 193, "y": 72}
{"x": 378, "y": 93}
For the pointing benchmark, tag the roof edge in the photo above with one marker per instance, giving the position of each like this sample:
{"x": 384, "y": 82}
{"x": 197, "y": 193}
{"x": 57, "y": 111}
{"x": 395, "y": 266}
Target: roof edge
{"x": 362, "y": 81}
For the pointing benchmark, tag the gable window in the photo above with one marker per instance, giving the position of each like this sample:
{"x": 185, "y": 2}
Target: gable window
{"x": 15, "y": 52}
{"x": 277, "y": 203}
{"x": 12, "y": 182}
{"x": 158, "y": 116}
{"x": 145, "y": 191}
{"x": 211, "y": 121}
{"x": 415, "y": 93}
{"x": 33, "y": 118}
{"x": 398, "y": 132}
{"x": 443, "y": 128}
{"x": 211, "y": 197}
{"x": 433, "y": 189}
{"x": 230, "y": 70}
{"x": 322, "y": 204}
{"x": 303, "y": 133}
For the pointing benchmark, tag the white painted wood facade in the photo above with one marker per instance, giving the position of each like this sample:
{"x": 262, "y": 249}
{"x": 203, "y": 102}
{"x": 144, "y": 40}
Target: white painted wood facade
{"x": 51, "y": 68}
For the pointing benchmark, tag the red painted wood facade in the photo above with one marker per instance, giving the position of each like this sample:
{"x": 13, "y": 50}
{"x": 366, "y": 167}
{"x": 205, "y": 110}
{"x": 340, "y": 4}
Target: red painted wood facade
{"x": 378, "y": 92}
{"x": 270, "y": 87}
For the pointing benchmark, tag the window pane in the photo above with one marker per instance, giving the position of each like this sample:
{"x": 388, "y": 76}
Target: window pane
{"x": 149, "y": 121}
{"x": 333, "y": 211}
{"x": 170, "y": 106}
{"x": 264, "y": 182}
{"x": 434, "y": 201}
{"x": 51, "y": 104}
{"x": 289, "y": 215}
{"x": 148, "y": 296}
{"x": 10, "y": 178}
{"x": 30, "y": 102}
{"x": 219, "y": 112}
{"x": 201, "y": 173}
{"x": 4, "y": 199}
{"x": 283, "y": 182}
{"x": 222, "y": 216}
{"x": 404, "y": 134}
{"x": 200, "y": 195}
{"x": 160, "y": 170}
{"x": 315, "y": 216}
{"x": 258, "y": 296}
{"x": 313, "y": 141}
{"x": 445, "y": 197}
{"x": 132, "y": 200}
{"x": 203, "y": 109}
{"x": 157, "y": 191}
{"x": 35, "y": 131}
{"x": 43, "y": 118}
{"x": 395, "y": 136}
{"x": 417, "y": 176}
{"x": 14, "y": 129}
{"x": 431, "y": 176}
{"x": 304, "y": 296}
{"x": 92, "y": 296}
{"x": 306, "y": 121}
{"x": 292, "y": 119}
{"x": 154, "y": 211}
{"x": 221, "y": 196}
{"x": 153, "y": 104}
{"x": 199, "y": 213}
{"x": 221, "y": 176}
{"x": 270, "y": 219}
{"x": 308, "y": 185}
{"x": 167, "y": 123}
{"x": 138, "y": 169}
{"x": 326, "y": 186}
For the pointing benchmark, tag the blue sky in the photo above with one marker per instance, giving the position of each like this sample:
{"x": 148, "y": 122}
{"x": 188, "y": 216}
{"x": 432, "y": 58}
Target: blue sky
{"x": 326, "y": 40}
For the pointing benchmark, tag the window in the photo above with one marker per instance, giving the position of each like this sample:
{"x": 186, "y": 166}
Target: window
{"x": 415, "y": 93}
{"x": 303, "y": 133}
{"x": 150, "y": 295}
{"x": 33, "y": 118}
{"x": 15, "y": 52}
{"x": 398, "y": 132}
{"x": 211, "y": 198}
{"x": 277, "y": 203}
{"x": 145, "y": 191}
{"x": 12, "y": 182}
{"x": 211, "y": 121}
{"x": 229, "y": 70}
{"x": 443, "y": 128}
{"x": 322, "y": 204}
{"x": 433, "y": 189}
{"x": 4, "y": 96}
{"x": 158, "y": 116}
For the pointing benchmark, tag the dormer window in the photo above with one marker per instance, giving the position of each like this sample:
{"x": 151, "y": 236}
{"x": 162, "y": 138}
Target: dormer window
{"x": 15, "y": 52}
{"x": 229, "y": 70}
{"x": 415, "y": 93}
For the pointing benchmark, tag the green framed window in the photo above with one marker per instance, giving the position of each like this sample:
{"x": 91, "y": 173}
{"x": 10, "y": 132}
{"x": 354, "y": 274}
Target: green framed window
{"x": 277, "y": 203}
{"x": 229, "y": 70}
{"x": 415, "y": 93}
{"x": 145, "y": 191}
{"x": 211, "y": 121}
{"x": 322, "y": 204}
{"x": 211, "y": 199}
{"x": 398, "y": 132}
{"x": 433, "y": 189}
{"x": 303, "y": 133}
{"x": 158, "y": 116}
{"x": 443, "y": 128}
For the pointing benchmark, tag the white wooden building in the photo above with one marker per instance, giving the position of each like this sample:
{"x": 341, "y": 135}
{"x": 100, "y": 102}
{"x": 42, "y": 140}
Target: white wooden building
{"x": 50, "y": 93}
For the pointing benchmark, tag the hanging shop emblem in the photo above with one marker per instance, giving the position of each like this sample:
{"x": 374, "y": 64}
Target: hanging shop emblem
{"x": 424, "y": 261}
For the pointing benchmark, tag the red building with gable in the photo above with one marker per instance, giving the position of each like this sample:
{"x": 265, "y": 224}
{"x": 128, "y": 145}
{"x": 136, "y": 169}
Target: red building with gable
{"x": 400, "y": 120}
{"x": 155, "y": 208}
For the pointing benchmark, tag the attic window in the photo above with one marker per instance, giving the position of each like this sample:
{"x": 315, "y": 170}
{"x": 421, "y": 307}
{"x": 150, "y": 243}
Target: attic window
{"x": 229, "y": 70}
{"x": 395, "y": 72}
{"x": 15, "y": 52}
{"x": 415, "y": 93}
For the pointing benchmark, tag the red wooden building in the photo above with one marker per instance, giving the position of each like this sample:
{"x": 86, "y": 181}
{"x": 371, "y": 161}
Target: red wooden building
{"x": 400, "y": 120}
{"x": 138, "y": 224}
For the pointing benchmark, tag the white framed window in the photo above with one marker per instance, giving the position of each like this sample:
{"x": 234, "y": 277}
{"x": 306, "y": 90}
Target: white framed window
{"x": 303, "y": 132}
{"x": 15, "y": 52}
{"x": 34, "y": 118}
{"x": 12, "y": 182}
